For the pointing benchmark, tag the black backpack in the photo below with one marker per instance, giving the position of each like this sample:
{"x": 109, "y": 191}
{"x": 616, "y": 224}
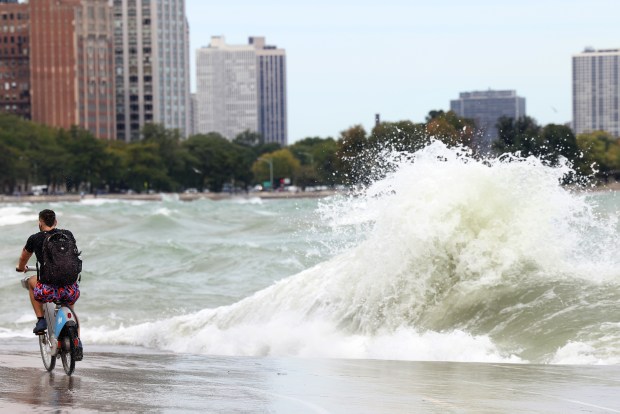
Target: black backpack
{"x": 61, "y": 260}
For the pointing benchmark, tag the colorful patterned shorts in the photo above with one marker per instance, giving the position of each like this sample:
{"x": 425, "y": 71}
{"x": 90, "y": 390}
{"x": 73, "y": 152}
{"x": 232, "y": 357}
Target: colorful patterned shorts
{"x": 48, "y": 293}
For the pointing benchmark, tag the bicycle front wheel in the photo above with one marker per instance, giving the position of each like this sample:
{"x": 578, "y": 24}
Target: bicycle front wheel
{"x": 49, "y": 360}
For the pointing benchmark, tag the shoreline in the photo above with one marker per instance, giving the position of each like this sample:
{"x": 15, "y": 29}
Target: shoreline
{"x": 108, "y": 377}
{"x": 278, "y": 195}
{"x": 162, "y": 196}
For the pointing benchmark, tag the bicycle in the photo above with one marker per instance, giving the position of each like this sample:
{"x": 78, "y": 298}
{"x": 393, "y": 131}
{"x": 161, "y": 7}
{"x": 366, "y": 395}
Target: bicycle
{"x": 61, "y": 336}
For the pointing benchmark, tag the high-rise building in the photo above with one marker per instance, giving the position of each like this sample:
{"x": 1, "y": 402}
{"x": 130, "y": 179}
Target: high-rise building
{"x": 596, "y": 91}
{"x": 271, "y": 72}
{"x": 95, "y": 68}
{"x": 71, "y": 72}
{"x": 242, "y": 87}
{"x": 173, "y": 60}
{"x": 226, "y": 88}
{"x": 485, "y": 108}
{"x": 53, "y": 66}
{"x": 151, "y": 47}
{"x": 15, "y": 59}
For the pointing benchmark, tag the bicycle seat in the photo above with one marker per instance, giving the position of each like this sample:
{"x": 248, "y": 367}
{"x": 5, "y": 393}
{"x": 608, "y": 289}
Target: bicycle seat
{"x": 62, "y": 303}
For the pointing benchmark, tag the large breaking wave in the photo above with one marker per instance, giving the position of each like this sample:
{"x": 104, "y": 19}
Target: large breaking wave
{"x": 457, "y": 259}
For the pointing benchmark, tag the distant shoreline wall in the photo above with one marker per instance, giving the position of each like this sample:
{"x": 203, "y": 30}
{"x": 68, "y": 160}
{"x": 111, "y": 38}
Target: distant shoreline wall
{"x": 162, "y": 196}
{"x": 276, "y": 195}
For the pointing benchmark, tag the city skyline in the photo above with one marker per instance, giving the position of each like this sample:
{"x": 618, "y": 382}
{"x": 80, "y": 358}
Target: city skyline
{"x": 350, "y": 60}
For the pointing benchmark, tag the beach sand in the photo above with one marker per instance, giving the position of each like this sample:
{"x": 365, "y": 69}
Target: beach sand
{"x": 124, "y": 379}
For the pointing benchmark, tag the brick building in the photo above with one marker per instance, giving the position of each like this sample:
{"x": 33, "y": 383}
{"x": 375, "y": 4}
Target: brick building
{"x": 56, "y": 63}
{"x": 14, "y": 59}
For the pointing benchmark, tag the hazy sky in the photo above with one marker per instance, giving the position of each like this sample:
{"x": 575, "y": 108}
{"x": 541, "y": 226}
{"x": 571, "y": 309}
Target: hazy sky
{"x": 348, "y": 60}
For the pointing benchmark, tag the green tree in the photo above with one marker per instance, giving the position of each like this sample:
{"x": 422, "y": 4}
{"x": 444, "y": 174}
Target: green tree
{"x": 558, "y": 141}
{"x": 146, "y": 168}
{"x": 49, "y": 159}
{"x": 318, "y": 161}
{"x": 215, "y": 159}
{"x": 601, "y": 154}
{"x": 168, "y": 142}
{"x": 86, "y": 159}
{"x": 8, "y": 168}
{"x": 518, "y": 135}
{"x": 352, "y": 155}
{"x": 317, "y": 158}
{"x": 451, "y": 129}
{"x": 285, "y": 165}
{"x": 249, "y": 139}
{"x": 116, "y": 166}
{"x": 402, "y": 136}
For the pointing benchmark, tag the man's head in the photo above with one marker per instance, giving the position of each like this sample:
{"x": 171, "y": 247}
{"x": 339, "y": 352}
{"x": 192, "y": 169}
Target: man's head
{"x": 47, "y": 217}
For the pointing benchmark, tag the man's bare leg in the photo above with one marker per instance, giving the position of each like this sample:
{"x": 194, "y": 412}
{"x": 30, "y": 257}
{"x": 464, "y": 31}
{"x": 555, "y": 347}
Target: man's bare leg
{"x": 36, "y": 305}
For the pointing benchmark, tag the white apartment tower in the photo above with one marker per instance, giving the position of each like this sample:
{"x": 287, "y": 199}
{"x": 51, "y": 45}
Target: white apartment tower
{"x": 596, "y": 91}
{"x": 485, "y": 108}
{"x": 151, "y": 49}
{"x": 242, "y": 87}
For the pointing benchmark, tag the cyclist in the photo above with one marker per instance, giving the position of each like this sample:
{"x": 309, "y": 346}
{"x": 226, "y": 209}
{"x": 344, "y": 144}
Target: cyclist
{"x": 41, "y": 292}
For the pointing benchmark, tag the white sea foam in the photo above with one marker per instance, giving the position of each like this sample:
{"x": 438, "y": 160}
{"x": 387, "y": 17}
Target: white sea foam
{"x": 99, "y": 201}
{"x": 283, "y": 336}
{"x": 16, "y": 215}
{"x": 164, "y": 211}
{"x": 580, "y": 353}
{"x": 244, "y": 201}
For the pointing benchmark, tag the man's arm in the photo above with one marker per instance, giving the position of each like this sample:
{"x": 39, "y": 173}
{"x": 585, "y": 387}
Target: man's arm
{"x": 23, "y": 259}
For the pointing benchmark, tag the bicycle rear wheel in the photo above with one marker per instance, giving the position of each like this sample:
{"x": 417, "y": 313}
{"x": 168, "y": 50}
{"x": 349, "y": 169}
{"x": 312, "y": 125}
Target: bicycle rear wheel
{"x": 66, "y": 353}
{"x": 49, "y": 360}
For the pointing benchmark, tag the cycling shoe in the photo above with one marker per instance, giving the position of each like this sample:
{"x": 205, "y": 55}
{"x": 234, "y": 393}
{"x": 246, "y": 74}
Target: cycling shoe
{"x": 40, "y": 328}
{"x": 78, "y": 351}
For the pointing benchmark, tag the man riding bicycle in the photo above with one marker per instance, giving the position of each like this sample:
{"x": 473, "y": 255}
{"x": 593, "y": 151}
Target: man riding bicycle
{"x": 45, "y": 292}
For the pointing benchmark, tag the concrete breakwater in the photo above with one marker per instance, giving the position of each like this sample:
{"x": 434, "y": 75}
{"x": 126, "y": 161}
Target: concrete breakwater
{"x": 162, "y": 196}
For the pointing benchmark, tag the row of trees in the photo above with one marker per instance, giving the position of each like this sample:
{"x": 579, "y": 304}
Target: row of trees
{"x": 74, "y": 160}
{"x": 77, "y": 161}
{"x": 595, "y": 154}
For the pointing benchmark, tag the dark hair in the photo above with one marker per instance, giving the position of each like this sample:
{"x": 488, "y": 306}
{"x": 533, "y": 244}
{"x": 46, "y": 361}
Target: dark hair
{"x": 48, "y": 217}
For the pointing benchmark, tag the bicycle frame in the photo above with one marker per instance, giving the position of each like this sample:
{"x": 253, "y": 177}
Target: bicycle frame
{"x": 57, "y": 316}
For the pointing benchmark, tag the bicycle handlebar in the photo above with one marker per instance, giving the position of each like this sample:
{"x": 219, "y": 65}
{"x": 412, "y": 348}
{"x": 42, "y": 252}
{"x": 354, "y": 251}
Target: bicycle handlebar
{"x": 27, "y": 269}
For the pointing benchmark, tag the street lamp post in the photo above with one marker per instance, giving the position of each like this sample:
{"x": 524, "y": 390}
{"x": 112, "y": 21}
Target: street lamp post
{"x": 270, "y": 162}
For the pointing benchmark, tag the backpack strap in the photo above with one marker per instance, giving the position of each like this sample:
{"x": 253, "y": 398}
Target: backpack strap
{"x": 48, "y": 234}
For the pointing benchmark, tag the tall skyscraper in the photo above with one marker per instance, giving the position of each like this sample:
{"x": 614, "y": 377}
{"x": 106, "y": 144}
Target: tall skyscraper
{"x": 485, "y": 108}
{"x": 173, "y": 61}
{"x": 226, "y": 88}
{"x": 151, "y": 46}
{"x": 15, "y": 59}
{"x": 71, "y": 73}
{"x": 596, "y": 91}
{"x": 53, "y": 66}
{"x": 271, "y": 72}
{"x": 242, "y": 87}
{"x": 95, "y": 68}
